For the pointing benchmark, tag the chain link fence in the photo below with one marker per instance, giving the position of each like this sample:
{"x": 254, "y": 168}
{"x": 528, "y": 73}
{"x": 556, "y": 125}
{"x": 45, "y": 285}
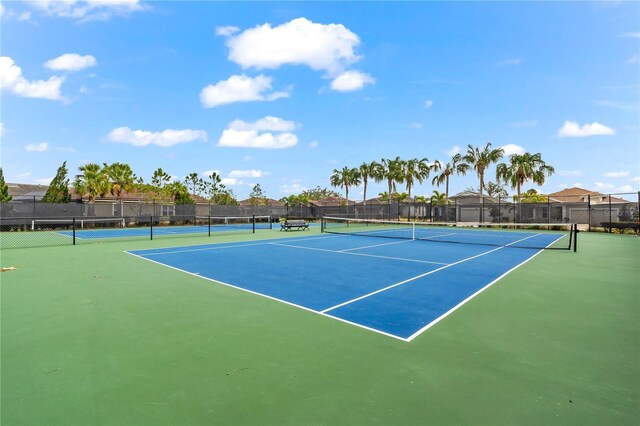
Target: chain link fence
{"x": 31, "y": 223}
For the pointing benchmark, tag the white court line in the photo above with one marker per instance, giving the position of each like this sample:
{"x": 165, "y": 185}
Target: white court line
{"x": 219, "y": 246}
{"x": 450, "y": 311}
{"x": 422, "y": 275}
{"x": 197, "y": 274}
{"x": 360, "y": 254}
{"x": 375, "y": 245}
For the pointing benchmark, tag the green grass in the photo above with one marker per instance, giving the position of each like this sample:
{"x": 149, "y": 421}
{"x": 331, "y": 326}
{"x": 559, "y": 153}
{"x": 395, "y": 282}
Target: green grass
{"x": 91, "y": 335}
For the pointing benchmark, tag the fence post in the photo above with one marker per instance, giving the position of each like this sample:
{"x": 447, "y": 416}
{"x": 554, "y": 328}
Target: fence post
{"x": 482, "y": 209}
{"x": 151, "y": 226}
{"x": 499, "y": 212}
{"x": 610, "y": 224}
{"x": 548, "y": 210}
{"x": 254, "y": 223}
{"x": 74, "y": 231}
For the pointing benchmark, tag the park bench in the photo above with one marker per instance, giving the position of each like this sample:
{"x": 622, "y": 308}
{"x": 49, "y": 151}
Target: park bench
{"x": 294, "y": 224}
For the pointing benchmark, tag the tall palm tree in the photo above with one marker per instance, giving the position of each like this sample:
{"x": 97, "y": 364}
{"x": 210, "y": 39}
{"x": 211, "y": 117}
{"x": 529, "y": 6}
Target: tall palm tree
{"x": 345, "y": 178}
{"x": 523, "y": 168}
{"x": 455, "y": 166}
{"x": 121, "y": 179}
{"x": 480, "y": 160}
{"x": 415, "y": 169}
{"x": 391, "y": 170}
{"x": 367, "y": 170}
{"x": 92, "y": 182}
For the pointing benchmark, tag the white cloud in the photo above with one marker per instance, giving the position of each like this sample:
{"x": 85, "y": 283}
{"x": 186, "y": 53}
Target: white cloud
{"x": 165, "y": 138}
{"x": 625, "y": 188}
{"x": 208, "y": 173}
{"x": 71, "y": 62}
{"x": 294, "y": 188}
{"x": 253, "y": 139}
{"x": 510, "y": 62}
{"x": 349, "y": 81}
{"x": 631, "y": 34}
{"x": 12, "y": 80}
{"x": 9, "y": 14}
{"x": 230, "y": 181}
{"x": 23, "y": 175}
{"x": 453, "y": 151}
{"x": 314, "y": 144}
{"x": 268, "y": 123}
{"x": 415, "y": 125}
{"x": 87, "y": 9}
{"x": 604, "y": 186}
{"x": 634, "y": 59}
{"x": 569, "y": 173}
{"x": 636, "y": 179}
{"x": 1, "y": 129}
{"x": 572, "y": 129}
{"x": 226, "y": 31}
{"x": 247, "y": 158}
{"x": 239, "y": 88}
{"x": 322, "y": 47}
{"x": 246, "y": 173}
{"x": 241, "y": 134}
{"x": 616, "y": 174}
{"x": 37, "y": 147}
{"x": 428, "y": 103}
{"x": 511, "y": 149}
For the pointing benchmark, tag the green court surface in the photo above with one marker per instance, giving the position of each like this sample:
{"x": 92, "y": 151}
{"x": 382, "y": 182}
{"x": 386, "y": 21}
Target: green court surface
{"x": 91, "y": 335}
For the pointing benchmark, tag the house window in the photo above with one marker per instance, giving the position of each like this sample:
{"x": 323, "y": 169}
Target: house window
{"x": 168, "y": 210}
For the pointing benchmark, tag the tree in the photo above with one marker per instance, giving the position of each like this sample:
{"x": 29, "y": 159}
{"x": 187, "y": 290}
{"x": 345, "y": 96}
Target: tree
{"x": 92, "y": 182}
{"x": 120, "y": 179}
{"x": 414, "y": 170}
{"x": 345, "y": 178}
{"x": 367, "y": 170}
{"x": 532, "y": 196}
{"x": 391, "y": 170}
{"x": 225, "y": 197}
{"x": 58, "y": 191}
{"x": 179, "y": 193}
{"x": 438, "y": 198}
{"x": 4, "y": 189}
{"x": 160, "y": 178}
{"x": 257, "y": 196}
{"x": 456, "y": 166}
{"x": 194, "y": 183}
{"x": 480, "y": 160}
{"x": 319, "y": 193}
{"x": 523, "y": 168}
{"x": 494, "y": 189}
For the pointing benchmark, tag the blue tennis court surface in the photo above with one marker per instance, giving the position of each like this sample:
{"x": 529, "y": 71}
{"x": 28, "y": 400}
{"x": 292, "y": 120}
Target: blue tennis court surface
{"x": 395, "y": 287}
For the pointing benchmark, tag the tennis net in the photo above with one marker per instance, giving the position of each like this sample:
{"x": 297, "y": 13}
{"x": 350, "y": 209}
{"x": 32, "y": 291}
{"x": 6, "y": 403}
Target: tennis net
{"x": 78, "y": 223}
{"x": 520, "y": 235}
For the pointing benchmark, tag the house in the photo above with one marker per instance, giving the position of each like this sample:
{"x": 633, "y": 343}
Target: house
{"x": 27, "y": 192}
{"x": 580, "y": 195}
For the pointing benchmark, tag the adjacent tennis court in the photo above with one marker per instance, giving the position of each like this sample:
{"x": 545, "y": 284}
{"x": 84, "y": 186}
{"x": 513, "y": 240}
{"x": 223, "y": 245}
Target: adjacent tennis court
{"x": 398, "y": 287}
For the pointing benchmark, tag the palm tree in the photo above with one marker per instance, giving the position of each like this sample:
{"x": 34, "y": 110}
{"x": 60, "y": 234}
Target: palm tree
{"x": 415, "y": 170}
{"x": 456, "y": 166}
{"x": 120, "y": 178}
{"x": 391, "y": 170}
{"x": 522, "y": 168}
{"x": 344, "y": 179}
{"x": 92, "y": 182}
{"x": 438, "y": 198}
{"x": 367, "y": 170}
{"x": 482, "y": 159}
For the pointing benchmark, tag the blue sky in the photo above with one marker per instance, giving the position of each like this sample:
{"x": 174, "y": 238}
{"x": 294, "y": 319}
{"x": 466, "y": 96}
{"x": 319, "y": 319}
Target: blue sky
{"x": 282, "y": 93}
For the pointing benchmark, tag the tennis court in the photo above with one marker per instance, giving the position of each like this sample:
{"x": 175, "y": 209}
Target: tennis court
{"x": 399, "y": 285}
{"x": 94, "y": 335}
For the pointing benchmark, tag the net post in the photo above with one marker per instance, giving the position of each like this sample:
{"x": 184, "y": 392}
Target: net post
{"x": 575, "y": 237}
{"x": 413, "y": 230}
{"x": 151, "y": 226}
{"x": 74, "y": 231}
{"x": 270, "y": 219}
{"x": 253, "y": 217}
{"x": 209, "y": 223}
{"x": 322, "y": 224}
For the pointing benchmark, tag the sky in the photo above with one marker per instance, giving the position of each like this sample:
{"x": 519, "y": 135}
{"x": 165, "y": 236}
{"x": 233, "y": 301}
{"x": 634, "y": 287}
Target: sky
{"x": 283, "y": 93}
